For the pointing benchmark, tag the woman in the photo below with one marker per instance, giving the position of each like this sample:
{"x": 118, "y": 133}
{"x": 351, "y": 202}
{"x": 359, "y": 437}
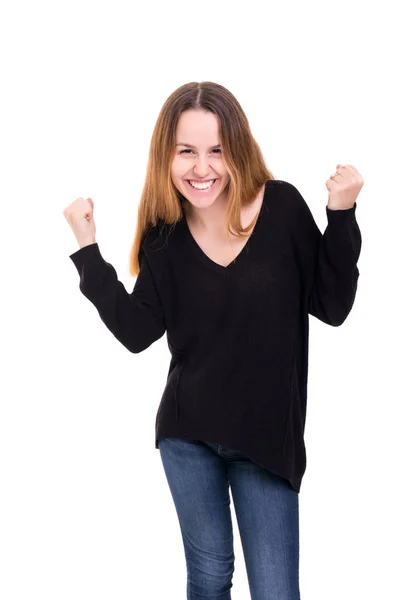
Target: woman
{"x": 230, "y": 263}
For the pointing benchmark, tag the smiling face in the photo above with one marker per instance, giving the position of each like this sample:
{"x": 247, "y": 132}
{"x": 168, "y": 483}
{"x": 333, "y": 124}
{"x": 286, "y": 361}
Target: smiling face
{"x": 198, "y": 158}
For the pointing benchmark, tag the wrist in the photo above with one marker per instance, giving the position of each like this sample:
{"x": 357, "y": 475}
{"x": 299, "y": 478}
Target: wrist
{"x": 87, "y": 242}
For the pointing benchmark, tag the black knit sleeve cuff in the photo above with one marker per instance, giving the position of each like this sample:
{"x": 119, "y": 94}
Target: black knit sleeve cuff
{"x": 90, "y": 252}
{"x": 340, "y": 216}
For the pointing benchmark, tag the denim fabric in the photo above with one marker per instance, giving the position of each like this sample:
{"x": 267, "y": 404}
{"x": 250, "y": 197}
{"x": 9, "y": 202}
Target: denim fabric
{"x": 200, "y": 475}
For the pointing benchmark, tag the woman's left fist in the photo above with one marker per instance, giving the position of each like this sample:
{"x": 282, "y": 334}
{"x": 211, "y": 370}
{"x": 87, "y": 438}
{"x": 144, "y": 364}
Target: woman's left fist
{"x": 344, "y": 187}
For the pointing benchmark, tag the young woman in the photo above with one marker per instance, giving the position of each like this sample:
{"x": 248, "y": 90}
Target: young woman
{"x": 230, "y": 263}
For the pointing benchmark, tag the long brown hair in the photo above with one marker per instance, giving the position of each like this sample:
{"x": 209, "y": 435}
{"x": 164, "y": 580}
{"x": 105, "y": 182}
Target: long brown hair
{"x": 242, "y": 156}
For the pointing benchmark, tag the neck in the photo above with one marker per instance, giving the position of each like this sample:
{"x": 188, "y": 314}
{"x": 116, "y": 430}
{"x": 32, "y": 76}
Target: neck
{"x": 212, "y": 218}
{"x": 209, "y": 219}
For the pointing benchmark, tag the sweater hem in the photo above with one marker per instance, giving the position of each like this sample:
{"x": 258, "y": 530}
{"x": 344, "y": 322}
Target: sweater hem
{"x": 293, "y": 480}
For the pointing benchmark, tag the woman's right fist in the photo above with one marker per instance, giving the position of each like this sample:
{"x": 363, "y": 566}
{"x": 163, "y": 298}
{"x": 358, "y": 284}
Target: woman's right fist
{"x": 79, "y": 215}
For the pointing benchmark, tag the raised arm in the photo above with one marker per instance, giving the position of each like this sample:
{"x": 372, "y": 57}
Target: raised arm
{"x": 136, "y": 319}
{"x": 330, "y": 273}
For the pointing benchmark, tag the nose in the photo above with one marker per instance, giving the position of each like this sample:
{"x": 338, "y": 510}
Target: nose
{"x": 201, "y": 166}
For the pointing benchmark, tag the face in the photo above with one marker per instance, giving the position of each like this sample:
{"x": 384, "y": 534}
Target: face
{"x": 202, "y": 162}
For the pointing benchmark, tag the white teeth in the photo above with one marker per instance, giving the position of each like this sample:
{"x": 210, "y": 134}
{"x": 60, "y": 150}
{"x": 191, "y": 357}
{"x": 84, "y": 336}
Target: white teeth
{"x": 201, "y": 186}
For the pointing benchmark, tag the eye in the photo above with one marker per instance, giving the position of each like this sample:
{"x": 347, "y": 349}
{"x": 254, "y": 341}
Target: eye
{"x": 188, "y": 150}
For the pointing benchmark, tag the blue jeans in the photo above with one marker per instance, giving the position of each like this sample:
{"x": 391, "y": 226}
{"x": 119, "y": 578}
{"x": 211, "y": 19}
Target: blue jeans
{"x": 267, "y": 511}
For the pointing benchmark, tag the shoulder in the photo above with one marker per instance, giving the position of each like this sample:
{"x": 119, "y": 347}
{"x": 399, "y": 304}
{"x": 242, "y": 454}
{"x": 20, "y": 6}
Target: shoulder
{"x": 155, "y": 238}
{"x": 282, "y": 187}
{"x": 290, "y": 198}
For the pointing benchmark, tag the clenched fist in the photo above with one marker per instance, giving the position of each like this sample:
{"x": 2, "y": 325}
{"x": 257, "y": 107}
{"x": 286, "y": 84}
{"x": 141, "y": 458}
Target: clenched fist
{"x": 79, "y": 215}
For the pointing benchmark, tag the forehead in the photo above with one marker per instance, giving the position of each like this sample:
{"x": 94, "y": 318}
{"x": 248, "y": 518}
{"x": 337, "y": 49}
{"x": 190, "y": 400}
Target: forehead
{"x": 197, "y": 125}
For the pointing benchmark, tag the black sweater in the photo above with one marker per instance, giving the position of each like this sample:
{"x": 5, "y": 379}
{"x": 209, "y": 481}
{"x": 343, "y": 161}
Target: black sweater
{"x": 238, "y": 335}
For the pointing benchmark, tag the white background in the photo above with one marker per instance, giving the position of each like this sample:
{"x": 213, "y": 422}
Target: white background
{"x": 85, "y": 509}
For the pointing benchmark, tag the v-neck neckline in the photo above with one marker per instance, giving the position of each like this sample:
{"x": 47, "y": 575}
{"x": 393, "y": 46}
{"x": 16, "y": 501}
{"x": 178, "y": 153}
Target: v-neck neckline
{"x": 209, "y": 261}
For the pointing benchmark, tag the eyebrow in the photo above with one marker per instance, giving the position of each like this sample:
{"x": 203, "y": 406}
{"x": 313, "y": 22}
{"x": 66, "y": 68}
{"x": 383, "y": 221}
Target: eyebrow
{"x": 190, "y": 145}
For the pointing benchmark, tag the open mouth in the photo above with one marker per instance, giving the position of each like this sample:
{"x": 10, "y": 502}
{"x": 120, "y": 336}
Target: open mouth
{"x": 201, "y": 187}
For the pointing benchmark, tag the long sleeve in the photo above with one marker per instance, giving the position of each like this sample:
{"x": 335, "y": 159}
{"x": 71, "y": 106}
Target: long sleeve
{"x": 136, "y": 319}
{"x": 332, "y": 273}
{"x": 328, "y": 261}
